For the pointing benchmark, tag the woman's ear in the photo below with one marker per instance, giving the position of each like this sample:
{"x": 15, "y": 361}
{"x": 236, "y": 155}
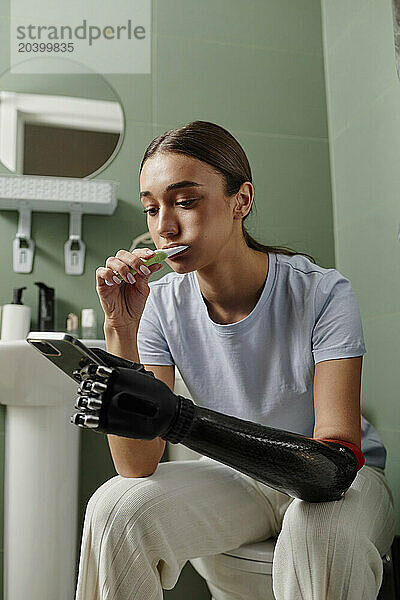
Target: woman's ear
{"x": 243, "y": 200}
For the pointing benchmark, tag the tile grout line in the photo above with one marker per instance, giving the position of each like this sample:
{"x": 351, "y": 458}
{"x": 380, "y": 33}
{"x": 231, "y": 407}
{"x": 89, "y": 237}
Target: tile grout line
{"x": 237, "y": 45}
{"x": 287, "y": 136}
{"x": 154, "y": 64}
{"x": 328, "y": 106}
{"x": 349, "y": 25}
{"x": 364, "y": 112}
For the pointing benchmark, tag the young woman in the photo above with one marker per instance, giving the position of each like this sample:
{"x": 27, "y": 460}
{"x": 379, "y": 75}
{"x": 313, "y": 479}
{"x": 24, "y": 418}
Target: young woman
{"x": 260, "y": 333}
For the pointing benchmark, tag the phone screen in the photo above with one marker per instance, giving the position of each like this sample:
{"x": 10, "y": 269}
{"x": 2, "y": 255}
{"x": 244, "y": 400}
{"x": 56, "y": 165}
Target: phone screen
{"x": 45, "y": 348}
{"x": 67, "y": 353}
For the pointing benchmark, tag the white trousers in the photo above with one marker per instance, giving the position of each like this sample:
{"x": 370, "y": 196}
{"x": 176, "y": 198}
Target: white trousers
{"x": 138, "y": 533}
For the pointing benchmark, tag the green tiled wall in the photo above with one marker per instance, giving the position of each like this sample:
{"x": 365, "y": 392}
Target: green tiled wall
{"x": 255, "y": 68}
{"x": 363, "y": 97}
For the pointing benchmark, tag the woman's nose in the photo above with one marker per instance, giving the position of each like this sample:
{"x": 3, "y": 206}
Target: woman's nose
{"x": 167, "y": 223}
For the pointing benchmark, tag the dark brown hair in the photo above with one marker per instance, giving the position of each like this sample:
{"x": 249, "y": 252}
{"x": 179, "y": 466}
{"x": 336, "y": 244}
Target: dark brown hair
{"x": 215, "y": 146}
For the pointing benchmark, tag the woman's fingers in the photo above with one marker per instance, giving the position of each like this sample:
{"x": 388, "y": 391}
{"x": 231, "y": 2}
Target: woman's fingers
{"x": 124, "y": 261}
{"x": 122, "y": 266}
{"x": 106, "y": 276}
{"x": 115, "y": 265}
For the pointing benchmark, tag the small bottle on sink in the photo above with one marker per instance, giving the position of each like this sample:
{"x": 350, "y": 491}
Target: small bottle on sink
{"x": 88, "y": 324}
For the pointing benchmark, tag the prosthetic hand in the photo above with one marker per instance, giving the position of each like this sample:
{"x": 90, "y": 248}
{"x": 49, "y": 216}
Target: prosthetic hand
{"x": 126, "y": 400}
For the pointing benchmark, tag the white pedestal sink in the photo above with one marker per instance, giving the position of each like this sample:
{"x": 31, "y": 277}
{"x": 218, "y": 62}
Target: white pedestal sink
{"x": 41, "y": 475}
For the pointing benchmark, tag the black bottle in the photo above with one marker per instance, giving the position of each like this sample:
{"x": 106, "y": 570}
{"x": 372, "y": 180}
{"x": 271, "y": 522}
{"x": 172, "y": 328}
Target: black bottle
{"x": 46, "y": 307}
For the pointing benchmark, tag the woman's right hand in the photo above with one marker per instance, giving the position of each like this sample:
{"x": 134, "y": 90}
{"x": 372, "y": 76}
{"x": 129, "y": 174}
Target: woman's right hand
{"x": 123, "y": 303}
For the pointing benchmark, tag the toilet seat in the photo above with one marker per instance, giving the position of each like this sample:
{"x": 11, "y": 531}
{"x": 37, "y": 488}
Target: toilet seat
{"x": 253, "y": 557}
{"x": 257, "y": 558}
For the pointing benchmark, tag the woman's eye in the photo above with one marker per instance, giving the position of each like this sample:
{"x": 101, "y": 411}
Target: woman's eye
{"x": 184, "y": 203}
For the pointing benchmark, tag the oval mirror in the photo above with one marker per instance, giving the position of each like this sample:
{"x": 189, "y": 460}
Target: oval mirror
{"x": 62, "y": 125}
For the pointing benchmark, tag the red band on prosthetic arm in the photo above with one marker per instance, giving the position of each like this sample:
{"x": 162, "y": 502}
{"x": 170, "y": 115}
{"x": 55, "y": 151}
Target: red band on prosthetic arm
{"x": 355, "y": 449}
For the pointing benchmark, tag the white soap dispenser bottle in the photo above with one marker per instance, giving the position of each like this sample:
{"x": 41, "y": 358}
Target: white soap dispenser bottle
{"x": 16, "y": 318}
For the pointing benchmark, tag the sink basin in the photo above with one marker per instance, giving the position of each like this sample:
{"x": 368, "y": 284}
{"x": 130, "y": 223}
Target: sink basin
{"x": 41, "y": 475}
{"x": 29, "y": 379}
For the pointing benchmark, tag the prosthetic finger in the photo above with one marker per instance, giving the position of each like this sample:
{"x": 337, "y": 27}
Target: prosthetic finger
{"x": 111, "y": 360}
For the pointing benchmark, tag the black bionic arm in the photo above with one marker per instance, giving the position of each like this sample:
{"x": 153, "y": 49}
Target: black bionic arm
{"x": 305, "y": 468}
{"x": 131, "y": 402}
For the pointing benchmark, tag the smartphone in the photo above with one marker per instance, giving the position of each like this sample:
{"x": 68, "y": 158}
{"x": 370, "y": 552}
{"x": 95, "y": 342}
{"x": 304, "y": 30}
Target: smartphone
{"x": 64, "y": 351}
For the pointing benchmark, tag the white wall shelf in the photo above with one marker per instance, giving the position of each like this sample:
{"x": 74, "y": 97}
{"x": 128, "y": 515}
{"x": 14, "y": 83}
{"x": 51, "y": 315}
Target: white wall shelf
{"x": 32, "y": 193}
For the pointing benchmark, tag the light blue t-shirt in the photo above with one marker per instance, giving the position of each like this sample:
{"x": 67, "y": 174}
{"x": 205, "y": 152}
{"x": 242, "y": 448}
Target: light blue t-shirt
{"x": 261, "y": 368}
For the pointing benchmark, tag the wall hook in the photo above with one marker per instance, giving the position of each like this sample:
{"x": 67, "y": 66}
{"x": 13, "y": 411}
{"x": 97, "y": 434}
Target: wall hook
{"x": 23, "y": 245}
{"x": 74, "y": 247}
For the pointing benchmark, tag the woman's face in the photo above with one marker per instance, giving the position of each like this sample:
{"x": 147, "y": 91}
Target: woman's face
{"x": 185, "y": 204}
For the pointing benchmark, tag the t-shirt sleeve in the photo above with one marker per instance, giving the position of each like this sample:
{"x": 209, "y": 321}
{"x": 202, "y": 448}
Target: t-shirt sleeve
{"x": 152, "y": 346}
{"x": 337, "y": 332}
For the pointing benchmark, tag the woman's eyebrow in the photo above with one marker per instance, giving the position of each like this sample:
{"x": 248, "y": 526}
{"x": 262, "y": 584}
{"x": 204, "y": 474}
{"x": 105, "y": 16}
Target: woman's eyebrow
{"x": 174, "y": 186}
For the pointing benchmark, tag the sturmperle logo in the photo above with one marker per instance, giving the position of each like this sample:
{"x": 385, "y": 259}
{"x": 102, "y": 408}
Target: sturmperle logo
{"x": 115, "y": 38}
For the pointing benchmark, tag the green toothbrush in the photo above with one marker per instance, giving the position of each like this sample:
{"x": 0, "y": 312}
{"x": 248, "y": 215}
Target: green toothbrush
{"x": 159, "y": 256}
